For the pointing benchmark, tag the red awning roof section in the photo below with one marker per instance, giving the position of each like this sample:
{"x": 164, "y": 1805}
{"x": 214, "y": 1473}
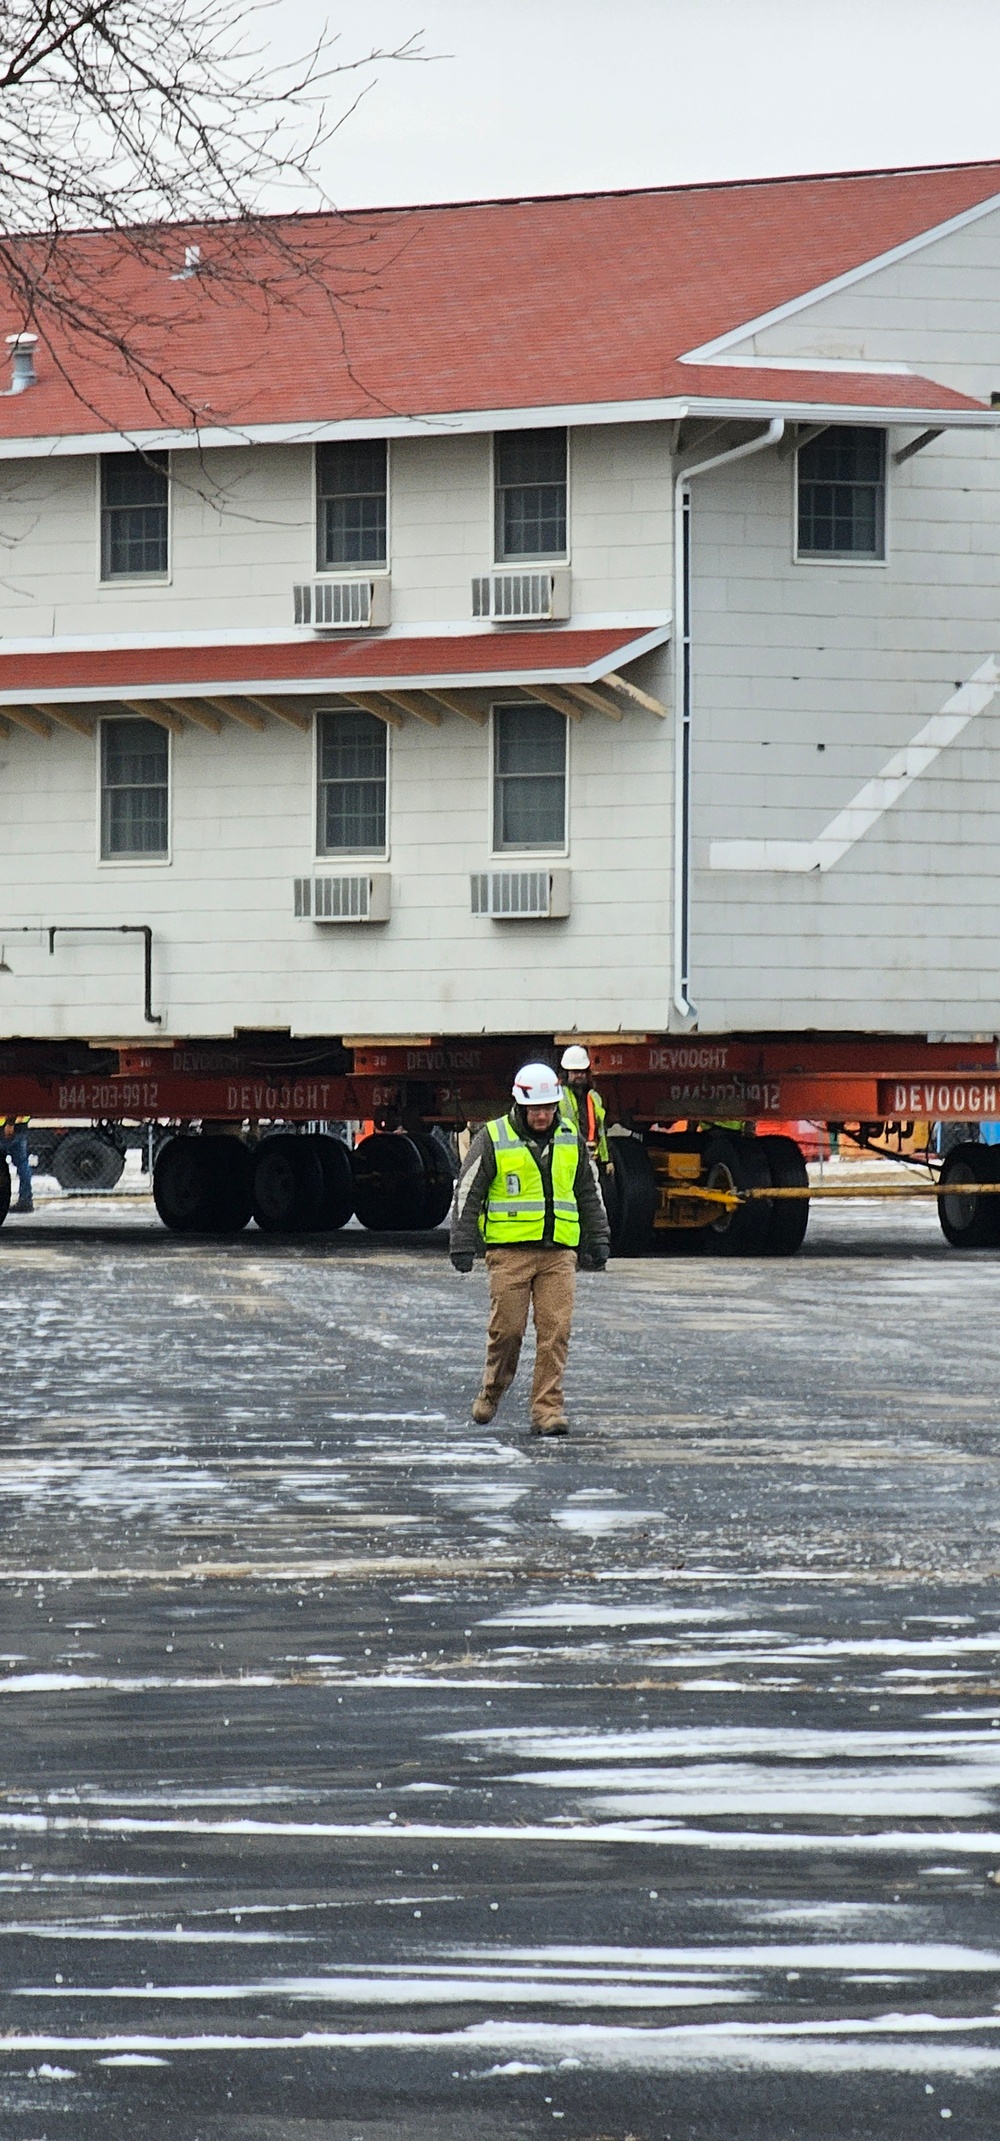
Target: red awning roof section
{"x": 308, "y": 666}
{"x": 486, "y": 308}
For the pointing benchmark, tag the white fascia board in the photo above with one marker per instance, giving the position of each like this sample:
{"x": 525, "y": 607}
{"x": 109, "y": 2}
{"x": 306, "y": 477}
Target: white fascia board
{"x": 458, "y": 423}
{"x": 305, "y": 635}
{"x": 712, "y": 352}
{"x": 863, "y": 367}
{"x": 314, "y": 687}
{"x": 815, "y": 412}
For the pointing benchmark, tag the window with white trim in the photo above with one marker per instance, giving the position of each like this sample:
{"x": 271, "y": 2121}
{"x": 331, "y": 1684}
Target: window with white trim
{"x": 530, "y": 486}
{"x": 135, "y": 513}
{"x": 841, "y": 493}
{"x": 352, "y": 767}
{"x": 135, "y": 790}
{"x": 529, "y": 777}
{"x": 352, "y": 504}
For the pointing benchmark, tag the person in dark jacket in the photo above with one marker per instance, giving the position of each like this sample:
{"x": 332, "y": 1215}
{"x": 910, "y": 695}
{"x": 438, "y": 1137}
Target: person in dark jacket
{"x": 528, "y": 1197}
{"x": 14, "y": 1132}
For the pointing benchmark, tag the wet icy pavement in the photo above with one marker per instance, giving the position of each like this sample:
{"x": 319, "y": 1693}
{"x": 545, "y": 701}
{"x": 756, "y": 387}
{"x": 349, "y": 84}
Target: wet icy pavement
{"x": 365, "y": 1775}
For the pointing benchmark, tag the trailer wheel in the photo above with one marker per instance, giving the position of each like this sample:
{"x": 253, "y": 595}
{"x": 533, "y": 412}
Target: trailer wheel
{"x": 631, "y": 1197}
{"x": 788, "y": 1223}
{"x": 439, "y": 1180}
{"x": 289, "y": 1189}
{"x": 180, "y": 1185}
{"x": 228, "y": 1170}
{"x": 338, "y": 1181}
{"x": 5, "y": 1189}
{"x": 83, "y": 1159}
{"x": 737, "y": 1163}
{"x": 390, "y": 1183}
{"x": 970, "y": 1222}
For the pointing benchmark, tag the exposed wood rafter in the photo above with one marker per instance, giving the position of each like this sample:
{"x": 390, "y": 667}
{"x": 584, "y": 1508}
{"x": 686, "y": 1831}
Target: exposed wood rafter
{"x": 371, "y": 702}
{"x": 632, "y": 691}
{"x": 587, "y": 696}
{"x": 249, "y": 716}
{"x": 66, "y": 717}
{"x": 24, "y": 717}
{"x": 416, "y": 703}
{"x": 454, "y": 703}
{"x": 925, "y": 438}
{"x": 155, "y": 710}
{"x": 550, "y": 695}
{"x": 194, "y": 710}
{"x": 282, "y": 710}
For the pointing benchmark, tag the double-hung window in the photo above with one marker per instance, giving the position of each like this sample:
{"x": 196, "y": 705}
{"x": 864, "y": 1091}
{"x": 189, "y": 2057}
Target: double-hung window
{"x": 134, "y": 516}
{"x": 841, "y": 501}
{"x": 353, "y": 770}
{"x": 530, "y": 487}
{"x": 351, "y": 495}
{"x": 529, "y": 777}
{"x": 135, "y": 781}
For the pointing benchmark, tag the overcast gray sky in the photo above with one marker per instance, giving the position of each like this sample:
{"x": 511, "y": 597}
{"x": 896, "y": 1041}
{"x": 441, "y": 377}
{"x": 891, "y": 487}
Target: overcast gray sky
{"x": 551, "y": 96}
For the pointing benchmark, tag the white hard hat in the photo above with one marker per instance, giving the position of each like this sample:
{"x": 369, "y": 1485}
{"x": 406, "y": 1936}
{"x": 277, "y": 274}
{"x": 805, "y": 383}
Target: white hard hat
{"x": 536, "y": 1086}
{"x": 575, "y": 1058}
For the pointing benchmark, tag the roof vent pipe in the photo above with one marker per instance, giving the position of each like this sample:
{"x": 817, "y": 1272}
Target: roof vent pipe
{"x": 22, "y": 351}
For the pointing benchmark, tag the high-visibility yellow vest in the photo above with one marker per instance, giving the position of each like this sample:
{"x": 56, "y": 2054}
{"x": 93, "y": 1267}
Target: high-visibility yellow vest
{"x": 589, "y": 1120}
{"x": 515, "y": 1201}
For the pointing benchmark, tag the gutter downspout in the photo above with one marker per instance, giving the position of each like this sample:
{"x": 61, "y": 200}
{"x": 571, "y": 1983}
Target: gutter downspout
{"x": 682, "y": 702}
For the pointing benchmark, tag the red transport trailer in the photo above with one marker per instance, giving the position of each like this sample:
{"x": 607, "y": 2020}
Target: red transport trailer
{"x": 696, "y": 1159}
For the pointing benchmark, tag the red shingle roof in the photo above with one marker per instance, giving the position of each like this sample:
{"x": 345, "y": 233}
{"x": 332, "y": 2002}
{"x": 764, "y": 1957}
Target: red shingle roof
{"x": 507, "y": 305}
{"x": 492, "y": 657}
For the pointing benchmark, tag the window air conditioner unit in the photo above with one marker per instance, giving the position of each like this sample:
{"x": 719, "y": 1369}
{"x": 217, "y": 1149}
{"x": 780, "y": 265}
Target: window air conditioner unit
{"x": 343, "y": 899}
{"x": 516, "y": 597}
{"x": 342, "y": 605}
{"x": 521, "y": 895}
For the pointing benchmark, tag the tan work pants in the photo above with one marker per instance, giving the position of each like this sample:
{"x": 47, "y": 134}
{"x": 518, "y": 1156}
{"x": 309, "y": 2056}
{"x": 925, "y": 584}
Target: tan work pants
{"x": 543, "y": 1280}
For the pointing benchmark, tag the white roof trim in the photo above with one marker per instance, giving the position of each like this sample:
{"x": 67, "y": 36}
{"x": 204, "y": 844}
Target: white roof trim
{"x": 666, "y": 409}
{"x": 338, "y": 686}
{"x": 873, "y": 366}
{"x": 711, "y": 352}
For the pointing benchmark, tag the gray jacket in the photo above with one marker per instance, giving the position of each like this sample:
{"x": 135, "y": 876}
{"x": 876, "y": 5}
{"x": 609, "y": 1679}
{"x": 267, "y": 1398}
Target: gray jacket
{"x": 479, "y": 1171}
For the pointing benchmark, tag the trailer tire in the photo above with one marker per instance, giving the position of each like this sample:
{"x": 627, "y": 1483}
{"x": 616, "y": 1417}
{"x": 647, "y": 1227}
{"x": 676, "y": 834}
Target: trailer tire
{"x": 83, "y": 1159}
{"x": 228, "y": 1169}
{"x": 439, "y": 1180}
{"x": 390, "y": 1183}
{"x": 970, "y": 1222}
{"x": 631, "y": 1197}
{"x": 5, "y": 1189}
{"x": 288, "y": 1185}
{"x": 338, "y": 1181}
{"x": 181, "y": 1187}
{"x": 787, "y": 1229}
{"x": 737, "y": 1163}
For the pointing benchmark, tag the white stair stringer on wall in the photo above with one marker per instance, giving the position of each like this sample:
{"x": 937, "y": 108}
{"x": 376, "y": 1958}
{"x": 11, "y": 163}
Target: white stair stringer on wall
{"x": 876, "y": 797}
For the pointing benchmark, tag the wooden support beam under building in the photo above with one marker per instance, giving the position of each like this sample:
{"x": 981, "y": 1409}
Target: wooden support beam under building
{"x": 237, "y": 710}
{"x": 454, "y": 703}
{"x": 632, "y": 691}
{"x": 66, "y": 717}
{"x": 415, "y": 703}
{"x": 371, "y": 702}
{"x": 155, "y": 710}
{"x": 550, "y": 695}
{"x": 24, "y": 717}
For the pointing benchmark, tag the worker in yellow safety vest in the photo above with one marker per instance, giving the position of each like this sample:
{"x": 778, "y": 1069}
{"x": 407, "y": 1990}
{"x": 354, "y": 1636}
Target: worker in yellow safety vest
{"x": 14, "y": 1132}
{"x": 528, "y": 1197}
{"x": 582, "y": 1105}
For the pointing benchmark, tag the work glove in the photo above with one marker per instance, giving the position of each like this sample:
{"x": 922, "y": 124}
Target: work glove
{"x": 592, "y": 1260}
{"x": 462, "y": 1260}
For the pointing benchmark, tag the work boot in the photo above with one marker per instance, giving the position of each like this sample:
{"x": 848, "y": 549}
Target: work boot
{"x": 21, "y": 1206}
{"x": 558, "y": 1426}
{"x": 483, "y": 1409}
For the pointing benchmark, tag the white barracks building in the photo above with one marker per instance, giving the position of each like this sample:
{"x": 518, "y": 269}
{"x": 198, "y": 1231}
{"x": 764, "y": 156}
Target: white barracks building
{"x": 601, "y": 632}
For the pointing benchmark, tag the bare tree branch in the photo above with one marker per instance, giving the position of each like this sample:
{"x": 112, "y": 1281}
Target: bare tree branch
{"x": 145, "y": 144}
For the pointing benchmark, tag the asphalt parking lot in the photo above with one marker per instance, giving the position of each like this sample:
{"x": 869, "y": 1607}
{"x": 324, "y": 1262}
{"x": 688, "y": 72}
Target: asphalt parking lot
{"x": 367, "y": 1776}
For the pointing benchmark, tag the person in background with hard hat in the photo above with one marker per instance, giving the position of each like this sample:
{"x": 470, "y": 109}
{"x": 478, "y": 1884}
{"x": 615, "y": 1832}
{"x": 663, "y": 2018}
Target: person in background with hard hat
{"x": 527, "y": 1193}
{"x": 582, "y": 1105}
{"x": 14, "y": 1131}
